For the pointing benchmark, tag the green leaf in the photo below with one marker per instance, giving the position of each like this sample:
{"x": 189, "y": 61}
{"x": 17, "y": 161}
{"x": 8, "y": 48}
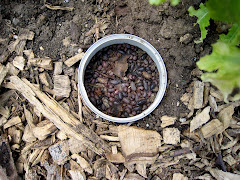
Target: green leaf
{"x": 158, "y": 2}
{"x": 203, "y": 19}
{"x": 225, "y": 60}
{"x": 233, "y": 36}
{"x": 224, "y": 10}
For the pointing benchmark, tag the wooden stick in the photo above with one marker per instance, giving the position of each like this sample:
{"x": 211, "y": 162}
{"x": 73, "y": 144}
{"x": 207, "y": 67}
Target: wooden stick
{"x": 59, "y": 116}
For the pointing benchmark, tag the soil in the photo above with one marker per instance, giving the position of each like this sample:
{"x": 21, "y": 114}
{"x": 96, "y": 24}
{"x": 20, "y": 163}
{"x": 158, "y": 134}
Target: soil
{"x": 163, "y": 26}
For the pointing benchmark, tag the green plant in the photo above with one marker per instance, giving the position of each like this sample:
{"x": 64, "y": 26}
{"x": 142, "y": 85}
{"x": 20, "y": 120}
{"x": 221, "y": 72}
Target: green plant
{"x": 222, "y": 66}
{"x": 158, "y": 2}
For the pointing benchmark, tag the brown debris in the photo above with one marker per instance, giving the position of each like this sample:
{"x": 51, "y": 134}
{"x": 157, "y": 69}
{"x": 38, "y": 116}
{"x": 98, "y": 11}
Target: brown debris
{"x": 167, "y": 121}
{"x": 171, "y": 136}
{"x": 45, "y": 63}
{"x": 62, "y": 86}
{"x": 200, "y": 119}
{"x": 137, "y": 142}
{"x": 43, "y": 129}
{"x": 71, "y": 61}
{"x": 211, "y": 128}
{"x": 3, "y": 73}
{"x": 121, "y": 66}
{"x": 58, "y": 115}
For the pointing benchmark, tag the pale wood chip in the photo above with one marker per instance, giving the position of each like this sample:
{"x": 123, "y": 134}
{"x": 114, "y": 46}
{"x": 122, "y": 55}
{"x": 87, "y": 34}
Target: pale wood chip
{"x": 179, "y": 176}
{"x": 198, "y": 92}
{"x": 19, "y": 62}
{"x": 171, "y": 136}
{"x": 43, "y": 129}
{"x": 115, "y": 158}
{"x": 3, "y": 73}
{"x": 12, "y": 122}
{"x": 211, "y": 128}
{"x": 167, "y": 121}
{"x": 71, "y": 61}
{"x": 200, "y": 119}
{"x": 83, "y": 163}
{"x": 62, "y": 86}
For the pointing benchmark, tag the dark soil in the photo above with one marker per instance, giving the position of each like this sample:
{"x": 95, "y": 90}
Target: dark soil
{"x": 162, "y": 26}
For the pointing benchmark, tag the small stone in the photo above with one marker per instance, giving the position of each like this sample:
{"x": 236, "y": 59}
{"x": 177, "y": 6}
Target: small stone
{"x": 187, "y": 38}
{"x": 59, "y": 152}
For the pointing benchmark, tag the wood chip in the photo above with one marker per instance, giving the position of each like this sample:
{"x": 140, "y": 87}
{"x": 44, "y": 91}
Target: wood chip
{"x": 186, "y": 98}
{"x": 198, "y": 91}
{"x": 230, "y": 160}
{"x": 62, "y": 86}
{"x": 59, "y": 116}
{"x": 133, "y": 176}
{"x": 217, "y": 94}
{"x": 76, "y": 171}
{"x": 83, "y": 163}
{"x": 167, "y": 121}
{"x": 3, "y": 73}
{"x": 16, "y": 135}
{"x": 46, "y": 79}
{"x": 114, "y": 149}
{"x": 58, "y": 68}
{"x": 109, "y": 138}
{"x": 59, "y": 152}
{"x": 220, "y": 175}
{"x": 45, "y": 63}
{"x": 225, "y": 116}
{"x": 142, "y": 170}
{"x": 61, "y": 135}
{"x": 28, "y": 134}
{"x": 115, "y": 158}
{"x": 71, "y": 61}
{"x": 137, "y": 142}
{"x": 76, "y": 146}
{"x": 211, "y": 128}
{"x": 212, "y": 103}
{"x": 200, "y": 119}
{"x": 13, "y": 121}
{"x": 179, "y": 176}
{"x": 12, "y": 70}
{"x": 43, "y": 129}
{"x": 171, "y": 136}
{"x": 19, "y": 62}
{"x": 49, "y": 6}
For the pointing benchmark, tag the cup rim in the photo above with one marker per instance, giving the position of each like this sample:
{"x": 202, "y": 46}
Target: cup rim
{"x": 120, "y": 39}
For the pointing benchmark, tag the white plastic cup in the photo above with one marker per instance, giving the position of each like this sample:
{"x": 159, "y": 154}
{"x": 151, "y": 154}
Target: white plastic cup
{"x": 121, "y": 39}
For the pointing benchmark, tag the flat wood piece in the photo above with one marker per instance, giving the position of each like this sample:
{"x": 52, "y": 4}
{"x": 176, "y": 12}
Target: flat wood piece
{"x": 115, "y": 158}
{"x": 71, "y": 61}
{"x": 19, "y": 62}
{"x": 221, "y": 175}
{"x": 142, "y": 170}
{"x": 16, "y": 135}
{"x": 83, "y": 163}
{"x": 171, "y": 136}
{"x": 13, "y": 121}
{"x": 200, "y": 119}
{"x": 114, "y": 149}
{"x": 62, "y": 86}
{"x": 12, "y": 70}
{"x": 167, "y": 121}
{"x": 46, "y": 79}
{"x": 230, "y": 160}
{"x": 109, "y": 138}
{"x": 45, "y": 63}
{"x": 179, "y": 176}
{"x": 225, "y": 116}
{"x": 3, "y": 73}
{"x": 76, "y": 146}
{"x": 137, "y": 142}
{"x": 211, "y": 128}
{"x": 43, "y": 129}
{"x": 198, "y": 91}
{"x": 28, "y": 134}
{"x": 58, "y": 67}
